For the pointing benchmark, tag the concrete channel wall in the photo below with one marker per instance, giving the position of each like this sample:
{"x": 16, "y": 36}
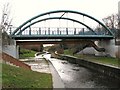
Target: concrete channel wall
{"x": 112, "y": 72}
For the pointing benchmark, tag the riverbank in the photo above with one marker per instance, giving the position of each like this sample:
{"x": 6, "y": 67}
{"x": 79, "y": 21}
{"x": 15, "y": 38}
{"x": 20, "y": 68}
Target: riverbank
{"x": 18, "y": 78}
{"x": 110, "y": 61}
{"x": 41, "y": 64}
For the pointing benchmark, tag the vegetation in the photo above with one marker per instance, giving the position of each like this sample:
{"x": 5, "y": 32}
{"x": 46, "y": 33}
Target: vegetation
{"x": 112, "y": 21}
{"x": 5, "y": 24}
{"x": 24, "y": 53}
{"x": 14, "y": 77}
{"x": 68, "y": 52}
{"x": 99, "y": 59}
{"x": 0, "y": 73}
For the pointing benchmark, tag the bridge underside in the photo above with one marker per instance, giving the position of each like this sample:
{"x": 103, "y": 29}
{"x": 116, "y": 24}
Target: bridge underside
{"x": 33, "y": 37}
{"x": 38, "y": 42}
{"x": 52, "y": 41}
{"x": 79, "y": 44}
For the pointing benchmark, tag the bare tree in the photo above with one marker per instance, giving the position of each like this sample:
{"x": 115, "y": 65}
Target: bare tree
{"x": 5, "y": 24}
{"x": 5, "y": 19}
{"x": 112, "y": 21}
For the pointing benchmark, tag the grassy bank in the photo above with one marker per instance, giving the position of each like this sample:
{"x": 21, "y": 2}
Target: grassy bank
{"x": 13, "y": 77}
{"x": 24, "y": 53}
{"x": 0, "y": 73}
{"x": 100, "y": 59}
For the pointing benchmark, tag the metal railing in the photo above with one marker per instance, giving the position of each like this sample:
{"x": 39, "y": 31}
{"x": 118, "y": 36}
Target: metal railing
{"x": 59, "y": 31}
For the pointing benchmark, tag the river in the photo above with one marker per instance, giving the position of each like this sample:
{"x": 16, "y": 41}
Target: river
{"x": 75, "y": 76}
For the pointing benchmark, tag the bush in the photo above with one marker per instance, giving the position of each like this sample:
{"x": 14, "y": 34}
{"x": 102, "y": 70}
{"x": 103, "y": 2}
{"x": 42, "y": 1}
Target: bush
{"x": 24, "y": 53}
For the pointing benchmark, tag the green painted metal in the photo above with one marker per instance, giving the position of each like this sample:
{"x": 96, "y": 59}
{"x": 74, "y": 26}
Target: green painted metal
{"x": 65, "y": 11}
{"x": 93, "y": 37}
{"x": 55, "y": 18}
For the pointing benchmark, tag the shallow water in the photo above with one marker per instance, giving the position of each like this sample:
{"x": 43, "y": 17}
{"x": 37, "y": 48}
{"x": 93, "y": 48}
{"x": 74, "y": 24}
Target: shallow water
{"x": 75, "y": 76}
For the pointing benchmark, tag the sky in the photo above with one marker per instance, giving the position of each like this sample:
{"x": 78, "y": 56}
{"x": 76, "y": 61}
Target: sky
{"x": 22, "y": 10}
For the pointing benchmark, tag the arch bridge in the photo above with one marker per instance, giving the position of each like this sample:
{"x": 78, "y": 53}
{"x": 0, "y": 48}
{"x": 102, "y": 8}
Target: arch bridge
{"x": 32, "y": 29}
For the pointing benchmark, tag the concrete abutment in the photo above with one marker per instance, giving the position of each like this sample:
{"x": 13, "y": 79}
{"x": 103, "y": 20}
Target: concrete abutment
{"x": 12, "y": 50}
{"x": 110, "y": 48}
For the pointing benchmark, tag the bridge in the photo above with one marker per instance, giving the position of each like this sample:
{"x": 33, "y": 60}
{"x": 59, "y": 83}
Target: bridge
{"x": 28, "y": 30}
{"x": 65, "y": 26}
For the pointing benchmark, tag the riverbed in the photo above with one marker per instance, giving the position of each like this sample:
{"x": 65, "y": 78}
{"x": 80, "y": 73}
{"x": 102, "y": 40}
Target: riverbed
{"x": 75, "y": 76}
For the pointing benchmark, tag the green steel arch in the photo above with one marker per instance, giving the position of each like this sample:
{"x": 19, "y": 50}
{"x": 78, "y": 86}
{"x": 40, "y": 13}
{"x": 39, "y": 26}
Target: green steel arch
{"x": 64, "y": 11}
{"x": 55, "y": 18}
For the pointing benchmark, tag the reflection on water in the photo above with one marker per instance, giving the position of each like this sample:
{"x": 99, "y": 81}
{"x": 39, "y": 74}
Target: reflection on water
{"x": 75, "y": 76}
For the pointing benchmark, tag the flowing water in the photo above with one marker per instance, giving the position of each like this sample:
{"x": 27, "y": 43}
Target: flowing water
{"x": 75, "y": 76}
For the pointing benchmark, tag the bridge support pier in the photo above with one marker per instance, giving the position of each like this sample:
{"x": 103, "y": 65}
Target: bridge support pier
{"x": 41, "y": 47}
{"x": 110, "y": 48}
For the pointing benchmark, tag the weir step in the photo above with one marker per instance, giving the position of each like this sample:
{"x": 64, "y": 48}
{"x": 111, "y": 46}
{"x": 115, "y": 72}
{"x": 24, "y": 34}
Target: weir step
{"x": 11, "y": 64}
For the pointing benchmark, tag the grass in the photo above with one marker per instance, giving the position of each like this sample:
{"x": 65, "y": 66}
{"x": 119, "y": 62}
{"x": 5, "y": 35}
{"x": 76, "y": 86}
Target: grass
{"x": 100, "y": 59}
{"x": 24, "y": 53}
{"x": 0, "y": 73}
{"x": 13, "y": 77}
{"x": 68, "y": 52}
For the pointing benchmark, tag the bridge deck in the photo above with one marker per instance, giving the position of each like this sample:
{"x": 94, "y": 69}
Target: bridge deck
{"x": 25, "y": 37}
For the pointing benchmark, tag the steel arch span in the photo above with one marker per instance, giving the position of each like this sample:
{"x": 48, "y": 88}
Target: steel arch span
{"x": 33, "y": 20}
{"x": 56, "y": 18}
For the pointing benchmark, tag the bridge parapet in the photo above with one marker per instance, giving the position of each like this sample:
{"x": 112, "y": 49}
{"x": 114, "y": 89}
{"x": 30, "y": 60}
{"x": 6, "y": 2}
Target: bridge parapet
{"x": 57, "y": 31}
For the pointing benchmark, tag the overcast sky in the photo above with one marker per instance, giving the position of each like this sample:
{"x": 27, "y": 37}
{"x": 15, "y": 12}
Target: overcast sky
{"x": 22, "y": 10}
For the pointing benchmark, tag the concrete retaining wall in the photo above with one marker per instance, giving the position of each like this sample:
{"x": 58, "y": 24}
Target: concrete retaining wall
{"x": 11, "y": 50}
{"x": 107, "y": 70}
